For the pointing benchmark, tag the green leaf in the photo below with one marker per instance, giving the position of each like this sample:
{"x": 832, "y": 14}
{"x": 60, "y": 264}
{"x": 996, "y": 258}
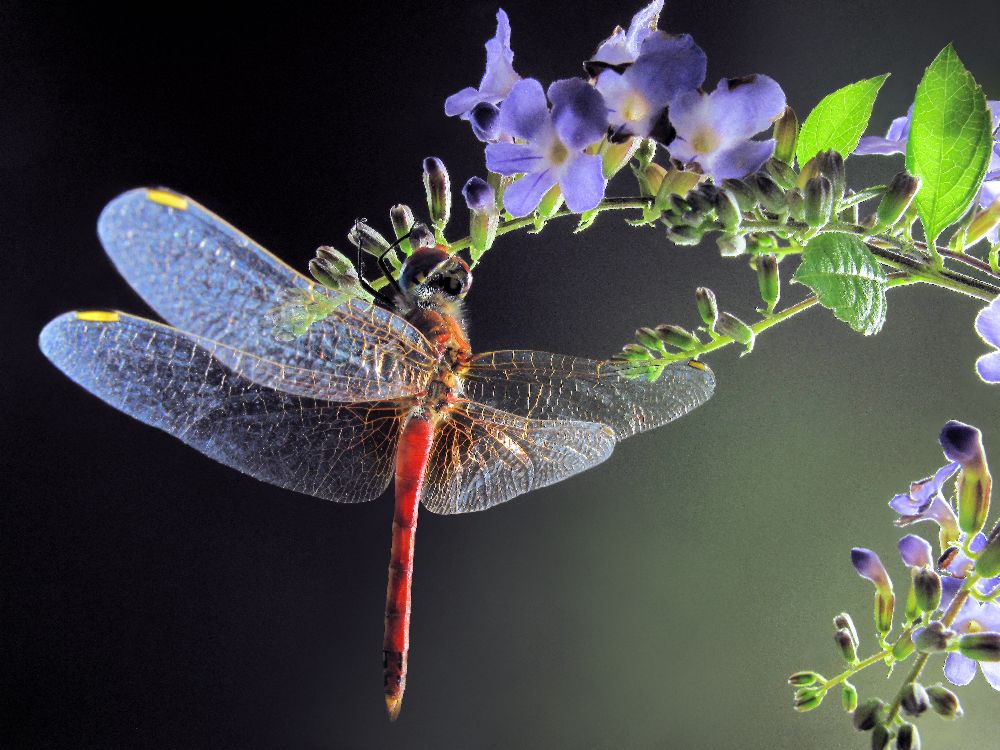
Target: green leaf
{"x": 950, "y": 141}
{"x": 839, "y": 120}
{"x": 848, "y": 280}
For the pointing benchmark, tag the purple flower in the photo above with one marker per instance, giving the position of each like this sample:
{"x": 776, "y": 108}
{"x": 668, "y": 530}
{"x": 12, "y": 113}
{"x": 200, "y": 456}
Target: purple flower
{"x": 714, "y": 130}
{"x": 479, "y": 195}
{"x": 552, "y": 152}
{"x": 988, "y": 328}
{"x": 894, "y": 141}
{"x": 961, "y": 442}
{"x": 637, "y": 97}
{"x": 868, "y": 565}
{"x": 622, "y": 46}
{"x": 915, "y": 551}
{"x": 973, "y": 617}
{"x": 924, "y": 502}
{"x": 480, "y": 104}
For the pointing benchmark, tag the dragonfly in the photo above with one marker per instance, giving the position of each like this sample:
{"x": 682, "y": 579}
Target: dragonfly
{"x": 374, "y": 391}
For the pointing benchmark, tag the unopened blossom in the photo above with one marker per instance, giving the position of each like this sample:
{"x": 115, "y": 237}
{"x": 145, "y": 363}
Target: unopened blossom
{"x": 553, "y": 142}
{"x": 480, "y": 104}
{"x": 637, "y": 97}
{"x": 868, "y": 565}
{"x": 715, "y": 130}
{"x": 915, "y": 551}
{"x": 623, "y": 46}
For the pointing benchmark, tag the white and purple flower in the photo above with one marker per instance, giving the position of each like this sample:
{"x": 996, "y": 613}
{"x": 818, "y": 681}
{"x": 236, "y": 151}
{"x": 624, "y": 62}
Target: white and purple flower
{"x": 479, "y": 105}
{"x": 715, "y": 130}
{"x": 638, "y": 96}
{"x": 623, "y": 47}
{"x": 553, "y": 142}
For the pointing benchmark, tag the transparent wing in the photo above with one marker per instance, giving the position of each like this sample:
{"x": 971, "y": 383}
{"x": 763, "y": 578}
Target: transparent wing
{"x": 204, "y": 276}
{"x": 540, "y": 385}
{"x": 174, "y": 381}
{"x": 482, "y": 456}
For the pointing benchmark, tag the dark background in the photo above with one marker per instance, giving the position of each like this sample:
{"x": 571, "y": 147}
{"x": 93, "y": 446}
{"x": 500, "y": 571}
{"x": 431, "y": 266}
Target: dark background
{"x": 153, "y": 598}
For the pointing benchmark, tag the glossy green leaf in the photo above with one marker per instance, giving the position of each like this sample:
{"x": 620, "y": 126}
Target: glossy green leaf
{"x": 839, "y": 120}
{"x": 950, "y": 142}
{"x": 847, "y": 278}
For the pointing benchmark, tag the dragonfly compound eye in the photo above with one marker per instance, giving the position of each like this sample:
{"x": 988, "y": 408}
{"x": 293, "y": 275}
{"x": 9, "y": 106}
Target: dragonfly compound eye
{"x": 432, "y": 269}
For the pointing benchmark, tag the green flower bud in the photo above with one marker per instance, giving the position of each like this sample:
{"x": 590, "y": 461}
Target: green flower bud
{"x": 780, "y": 172}
{"x": 910, "y": 610}
{"x": 335, "y": 271}
{"x": 980, "y": 646}
{"x": 896, "y": 200}
{"x": 807, "y": 171}
{"x": 653, "y": 175}
{"x": 843, "y": 621}
{"x": 988, "y": 564}
{"x": 745, "y": 197}
{"x": 884, "y": 603}
{"x": 731, "y": 326}
{"x": 831, "y": 166}
{"x": 550, "y": 203}
{"x": 907, "y": 737}
{"x": 703, "y": 198}
{"x": 849, "y": 697}
{"x": 634, "y": 352}
{"x": 731, "y": 245}
{"x": 914, "y": 700}
{"x": 818, "y": 201}
{"x": 786, "y": 135}
{"x": 944, "y": 702}
{"x": 770, "y": 196}
{"x": 845, "y": 643}
{"x": 370, "y": 240}
{"x": 675, "y": 182}
{"x": 402, "y": 220}
{"x": 807, "y": 699}
{"x": 708, "y": 306}
{"x": 804, "y": 678}
{"x": 983, "y": 223}
{"x": 768, "y": 280}
{"x": 614, "y": 156}
{"x": 927, "y": 589}
{"x": 648, "y": 338}
{"x": 683, "y": 236}
{"x": 677, "y": 337}
{"x": 796, "y": 204}
{"x": 868, "y": 714}
{"x": 903, "y": 648}
{"x": 935, "y": 637}
{"x": 728, "y": 210}
{"x": 881, "y": 737}
{"x": 437, "y": 186}
{"x": 964, "y": 443}
{"x": 645, "y": 152}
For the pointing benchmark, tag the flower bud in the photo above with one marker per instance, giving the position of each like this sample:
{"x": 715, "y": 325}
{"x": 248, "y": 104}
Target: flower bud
{"x": 843, "y": 621}
{"x": 437, "y": 186}
{"x": 614, "y": 156}
{"x": 731, "y": 326}
{"x": 807, "y": 171}
{"x": 647, "y": 338}
{"x": 980, "y": 646}
{"x": 768, "y": 281}
{"x": 935, "y": 637}
{"x": 402, "y": 220}
{"x": 846, "y": 645}
{"x": 708, "y": 306}
{"x": 728, "y": 210}
{"x": 703, "y": 198}
{"x": 896, "y": 200}
{"x": 804, "y": 678}
{"x": 849, "y": 697}
{"x": 983, "y": 223}
{"x": 817, "y": 201}
{"x": 807, "y": 699}
{"x": 988, "y": 564}
{"x": 370, "y": 241}
{"x": 868, "y": 714}
{"x": 907, "y": 737}
{"x": 675, "y": 182}
{"x": 786, "y": 135}
{"x": 334, "y": 270}
{"x": 914, "y": 700}
{"x": 780, "y": 172}
{"x": 422, "y": 236}
{"x": 927, "y": 589}
{"x": 903, "y": 648}
{"x": 767, "y": 192}
{"x": 551, "y": 202}
{"x": 634, "y": 352}
{"x": 880, "y": 737}
{"x": 677, "y": 337}
{"x": 831, "y": 166}
{"x": 745, "y": 197}
{"x": 731, "y": 245}
{"x": 964, "y": 443}
{"x": 484, "y": 216}
{"x": 653, "y": 175}
{"x": 684, "y": 236}
{"x": 485, "y": 121}
{"x": 796, "y": 204}
{"x": 944, "y": 702}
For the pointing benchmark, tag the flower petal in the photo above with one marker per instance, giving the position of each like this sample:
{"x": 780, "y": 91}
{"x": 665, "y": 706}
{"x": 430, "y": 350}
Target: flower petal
{"x": 904, "y": 505}
{"x": 915, "y": 551}
{"x": 739, "y": 160}
{"x": 868, "y": 565}
{"x": 988, "y": 323}
{"x": 988, "y": 367}
{"x": 579, "y": 113}
{"x": 873, "y": 144}
{"x": 991, "y": 671}
{"x": 667, "y": 66}
{"x": 583, "y": 183}
{"x": 525, "y": 113}
{"x": 512, "y": 158}
{"x": 959, "y": 669}
{"x": 989, "y": 617}
{"x": 623, "y": 46}
{"x": 499, "y": 75}
{"x": 485, "y": 121}
{"x": 523, "y": 196}
{"x": 742, "y": 107}
{"x": 924, "y": 491}
{"x": 462, "y": 102}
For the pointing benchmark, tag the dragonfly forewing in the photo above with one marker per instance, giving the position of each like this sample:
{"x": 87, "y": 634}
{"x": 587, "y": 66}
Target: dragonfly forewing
{"x": 178, "y": 383}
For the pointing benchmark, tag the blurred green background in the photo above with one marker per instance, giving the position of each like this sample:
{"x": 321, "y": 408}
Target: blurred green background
{"x": 156, "y": 599}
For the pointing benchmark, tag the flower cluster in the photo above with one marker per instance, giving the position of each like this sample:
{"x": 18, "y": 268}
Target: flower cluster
{"x": 951, "y": 607}
{"x": 565, "y": 142}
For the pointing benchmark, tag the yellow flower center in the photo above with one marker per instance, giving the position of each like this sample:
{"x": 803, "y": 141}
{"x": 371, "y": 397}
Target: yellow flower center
{"x": 558, "y": 153}
{"x": 973, "y": 626}
{"x": 705, "y": 141}
{"x": 635, "y": 107}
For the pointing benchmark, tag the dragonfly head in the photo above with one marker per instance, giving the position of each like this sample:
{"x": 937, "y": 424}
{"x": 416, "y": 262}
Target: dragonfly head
{"x": 431, "y": 274}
